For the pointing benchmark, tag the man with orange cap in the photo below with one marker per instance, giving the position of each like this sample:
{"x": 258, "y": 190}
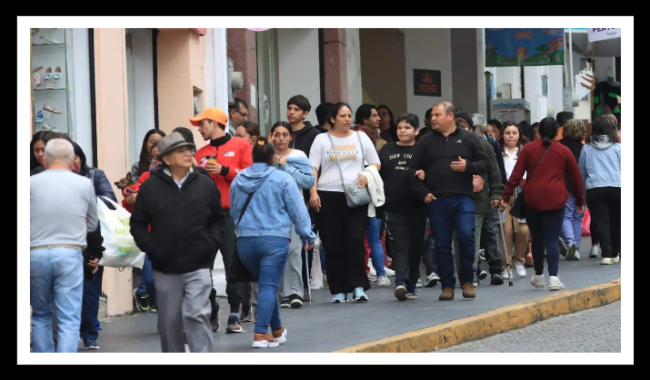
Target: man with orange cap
{"x": 223, "y": 158}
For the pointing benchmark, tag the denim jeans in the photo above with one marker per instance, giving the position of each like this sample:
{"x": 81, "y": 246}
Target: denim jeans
{"x": 572, "y": 224}
{"x": 265, "y": 256}
{"x": 90, "y": 306}
{"x": 545, "y": 226}
{"x": 56, "y": 273}
{"x": 373, "y": 234}
{"x": 449, "y": 215}
{"x": 147, "y": 285}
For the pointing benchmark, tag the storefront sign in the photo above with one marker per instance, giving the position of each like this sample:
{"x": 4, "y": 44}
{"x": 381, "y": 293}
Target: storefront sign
{"x": 427, "y": 82}
{"x": 524, "y": 47}
{"x": 509, "y": 110}
{"x": 599, "y": 34}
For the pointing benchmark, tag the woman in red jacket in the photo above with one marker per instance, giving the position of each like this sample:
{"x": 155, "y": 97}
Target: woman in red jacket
{"x": 545, "y": 196}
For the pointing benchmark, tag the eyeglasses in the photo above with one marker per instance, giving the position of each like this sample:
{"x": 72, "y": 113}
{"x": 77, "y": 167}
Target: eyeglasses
{"x": 244, "y": 114}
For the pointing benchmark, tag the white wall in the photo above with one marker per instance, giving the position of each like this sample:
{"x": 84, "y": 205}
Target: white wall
{"x": 511, "y": 75}
{"x": 428, "y": 49}
{"x": 355, "y": 96}
{"x": 140, "y": 85}
{"x": 79, "y": 82}
{"x": 216, "y": 69}
{"x": 555, "y": 88}
{"x": 299, "y": 73}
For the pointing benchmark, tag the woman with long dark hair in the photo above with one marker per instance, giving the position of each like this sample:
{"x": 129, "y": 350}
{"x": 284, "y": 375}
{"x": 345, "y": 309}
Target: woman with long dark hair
{"x": 142, "y": 166}
{"x": 512, "y": 142}
{"x": 546, "y": 164}
{"x": 342, "y": 227}
{"x": 37, "y": 152}
{"x": 387, "y": 124}
{"x": 600, "y": 166}
{"x": 92, "y": 286}
{"x": 265, "y": 202}
{"x": 250, "y": 131}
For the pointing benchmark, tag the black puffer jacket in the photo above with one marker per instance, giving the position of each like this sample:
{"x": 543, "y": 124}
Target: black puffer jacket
{"x": 184, "y": 222}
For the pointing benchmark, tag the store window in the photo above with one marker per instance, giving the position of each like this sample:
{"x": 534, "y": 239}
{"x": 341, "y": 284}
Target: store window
{"x": 50, "y": 90}
{"x": 268, "y": 107}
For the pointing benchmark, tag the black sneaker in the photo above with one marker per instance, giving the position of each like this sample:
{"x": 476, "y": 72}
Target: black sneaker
{"x": 295, "y": 301}
{"x": 234, "y": 326}
{"x": 400, "y": 291}
{"x": 214, "y": 320}
{"x": 142, "y": 302}
{"x": 496, "y": 279}
{"x": 286, "y": 303}
{"x": 483, "y": 275}
{"x": 246, "y": 314}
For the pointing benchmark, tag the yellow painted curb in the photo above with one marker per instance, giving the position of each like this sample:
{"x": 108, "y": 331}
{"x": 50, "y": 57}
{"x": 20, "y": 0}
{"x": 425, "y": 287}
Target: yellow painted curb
{"x": 495, "y": 321}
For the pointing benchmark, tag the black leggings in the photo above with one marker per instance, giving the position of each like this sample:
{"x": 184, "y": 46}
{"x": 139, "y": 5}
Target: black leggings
{"x": 605, "y": 208}
{"x": 342, "y": 230}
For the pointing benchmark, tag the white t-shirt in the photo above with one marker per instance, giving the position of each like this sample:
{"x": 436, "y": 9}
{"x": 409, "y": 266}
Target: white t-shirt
{"x": 510, "y": 162}
{"x": 322, "y": 156}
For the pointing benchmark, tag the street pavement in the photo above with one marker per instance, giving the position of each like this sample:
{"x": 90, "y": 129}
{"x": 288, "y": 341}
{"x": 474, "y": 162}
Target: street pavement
{"x": 325, "y": 327}
{"x": 593, "y": 330}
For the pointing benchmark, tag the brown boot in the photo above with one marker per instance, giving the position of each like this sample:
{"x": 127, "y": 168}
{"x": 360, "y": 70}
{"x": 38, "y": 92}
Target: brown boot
{"x": 447, "y": 295}
{"x": 469, "y": 291}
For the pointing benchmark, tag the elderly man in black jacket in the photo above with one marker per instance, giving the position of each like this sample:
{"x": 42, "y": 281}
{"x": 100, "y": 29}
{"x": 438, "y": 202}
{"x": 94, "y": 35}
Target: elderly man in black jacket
{"x": 184, "y": 210}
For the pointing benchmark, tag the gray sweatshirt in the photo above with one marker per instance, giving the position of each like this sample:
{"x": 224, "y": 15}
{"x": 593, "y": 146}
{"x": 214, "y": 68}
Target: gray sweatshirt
{"x": 63, "y": 208}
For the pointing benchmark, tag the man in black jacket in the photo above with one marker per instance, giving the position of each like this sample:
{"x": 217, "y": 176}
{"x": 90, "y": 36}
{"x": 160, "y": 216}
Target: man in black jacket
{"x": 184, "y": 210}
{"x": 450, "y": 156}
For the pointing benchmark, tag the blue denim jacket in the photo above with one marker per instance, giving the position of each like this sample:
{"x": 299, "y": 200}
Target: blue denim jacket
{"x": 276, "y": 204}
{"x": 600, "y": 164}
{"x": 301, "y": 170}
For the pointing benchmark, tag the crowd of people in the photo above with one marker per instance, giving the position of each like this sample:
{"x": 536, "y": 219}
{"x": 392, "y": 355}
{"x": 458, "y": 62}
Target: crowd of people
{"x": 383, "y": 195}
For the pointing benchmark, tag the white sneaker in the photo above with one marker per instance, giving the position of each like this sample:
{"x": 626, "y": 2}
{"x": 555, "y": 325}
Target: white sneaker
{"x": 504, "y": 275}
{"x": 554, "y": 283}
{"x": 538, "y": 281}
{"x": 419, "y": 284}
{"x": 576, "y": 256}
{"x": 520, "y": 269}
{"x": 432, "y": 280}
{"x": 607, "y": 261}
{"x": 383, "y": 281}
{"x": 389, "y": 272}
{"x": 616, "y": 259}
{"x": 373, "y": 272}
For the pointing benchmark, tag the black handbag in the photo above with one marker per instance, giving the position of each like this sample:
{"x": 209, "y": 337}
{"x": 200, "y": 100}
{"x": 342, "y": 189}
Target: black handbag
{"x": 518, "y": 209}
{"x": 237, "y": 272}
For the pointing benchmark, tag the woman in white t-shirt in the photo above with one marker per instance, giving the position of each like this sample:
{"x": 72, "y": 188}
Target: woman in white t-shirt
{"x": 296, "y": 163}
{"x": 512, "y": 142}
{"x": 342, "y": 228}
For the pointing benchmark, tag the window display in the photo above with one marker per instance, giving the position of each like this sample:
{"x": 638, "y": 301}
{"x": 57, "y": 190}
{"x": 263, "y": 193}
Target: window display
{"x": 49, "y": 80}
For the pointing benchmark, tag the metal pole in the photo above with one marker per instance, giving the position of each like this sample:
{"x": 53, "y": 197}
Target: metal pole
{"x": 571, "y": 63}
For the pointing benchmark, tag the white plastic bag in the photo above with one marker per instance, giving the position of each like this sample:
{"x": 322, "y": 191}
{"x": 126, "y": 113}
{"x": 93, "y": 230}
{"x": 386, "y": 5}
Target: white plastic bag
{"x": 121, "y": 251}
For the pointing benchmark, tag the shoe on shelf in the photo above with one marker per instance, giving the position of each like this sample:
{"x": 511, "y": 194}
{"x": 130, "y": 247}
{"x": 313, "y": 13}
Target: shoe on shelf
{"x": 554, "y": 283}
{"x": 446, "y": 295}
{"x": 48, "y": 74}
{"x": 91, "y": 344}
{"x": 571, "y": 252}
{"x": 214, "y": 320}
{"x": 432, "y": 280}
{"x": 340, "y": 298}
{"x": 280, "y": 335}
{"x": 246, "y": 314}
{"x": 359, "y": 295}
{"x": 538, "y": 281}
{"x": 50, "y": 109}
{"x": 295, "y": 301}
{"x": 141, "y": 301}
{"x": 607, "y": 261}
{"x": 411, "y": 293}
{"x": 383, "y": 281}
{"x": 616, "y": 259}
{"x": 286, "y": 303}
{"x": 37, "y": 80}
{"x": 400, "y": 291}
{"x": 39, "y": 117}
{"x": 593, "y": 253}
{"x": 389, "y": 272}
{"x": 234, "y": 326}
{"x": 469, "y": 291}
{"x": 419, "y": 284}
{"x": 264, "y": 341}
{"x": 56, "y": 75}
{"x": 483, "y": 275}
{"x": 496, "y": 279}
{"x": 563, "y": 247}
{"x": 520, "y": 269}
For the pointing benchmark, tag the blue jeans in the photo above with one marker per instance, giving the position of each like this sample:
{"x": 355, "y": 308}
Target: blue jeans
{"x": 449, "y": 214}
{"x": 572, "y": 224}
{"x": 56, "y": 273}
{"x": 373, "y": 232}
{"x": 146, "y": 281}
{"x": 265, "y": 258}
{"x": 92, "y": 290}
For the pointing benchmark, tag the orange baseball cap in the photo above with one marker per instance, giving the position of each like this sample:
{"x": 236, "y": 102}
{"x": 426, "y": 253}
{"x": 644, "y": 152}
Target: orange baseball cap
{"x": 214, "y": 114}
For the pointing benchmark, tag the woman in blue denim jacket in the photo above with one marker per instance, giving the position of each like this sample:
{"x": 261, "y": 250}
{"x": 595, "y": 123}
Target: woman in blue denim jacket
{"x": 600, "y": 167}
{"x": 273, "y": 203}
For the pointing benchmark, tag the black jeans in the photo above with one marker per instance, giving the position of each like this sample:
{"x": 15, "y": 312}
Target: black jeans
{"x": 238, "y": 293}
{"x": 605, "y": 208}
{"x": 406, "y": 234}
{"x": 342, "y": 230}
{"x": 545, "y": 227}
{"x": 489, "y": 233}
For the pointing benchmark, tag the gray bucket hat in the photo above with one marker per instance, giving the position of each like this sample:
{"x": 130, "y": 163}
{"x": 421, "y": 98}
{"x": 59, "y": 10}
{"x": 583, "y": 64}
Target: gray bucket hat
{"x": 171, "y": 142}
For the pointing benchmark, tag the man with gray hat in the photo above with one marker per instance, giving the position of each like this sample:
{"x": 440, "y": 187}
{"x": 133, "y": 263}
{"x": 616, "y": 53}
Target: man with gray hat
{"x": 183, "y": 209}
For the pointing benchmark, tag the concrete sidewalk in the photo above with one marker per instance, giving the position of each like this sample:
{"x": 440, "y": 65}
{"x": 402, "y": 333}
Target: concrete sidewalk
{"x": 326, "y": 327}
